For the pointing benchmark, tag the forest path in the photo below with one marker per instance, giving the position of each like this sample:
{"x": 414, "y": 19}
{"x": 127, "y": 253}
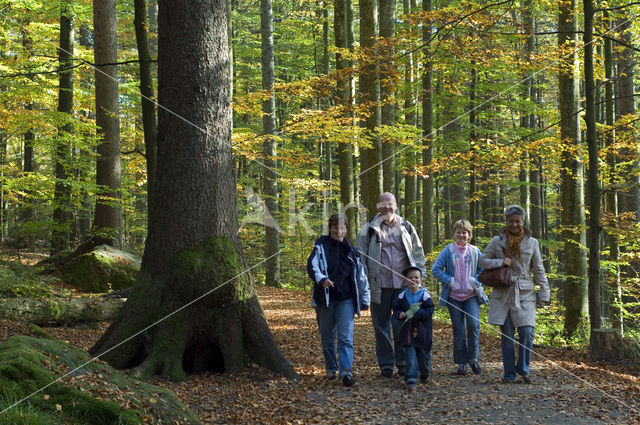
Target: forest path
{"x": 568, "y": 388}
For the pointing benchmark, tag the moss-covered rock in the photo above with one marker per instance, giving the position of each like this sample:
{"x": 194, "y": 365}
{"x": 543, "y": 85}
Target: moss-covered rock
{"x": 50, "y": 379}
{"x": 103, "y": 269}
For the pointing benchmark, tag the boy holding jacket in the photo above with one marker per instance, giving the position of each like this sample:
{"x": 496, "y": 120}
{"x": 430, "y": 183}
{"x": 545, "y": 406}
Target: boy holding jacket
{"x": 414, "y": 308}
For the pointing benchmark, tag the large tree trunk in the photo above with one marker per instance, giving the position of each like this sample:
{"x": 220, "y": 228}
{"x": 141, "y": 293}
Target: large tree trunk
{"x": 149, "y": 122}
{"x": 270, "y": 181}
{"x": 573, "y": 221}
{"x": 108, "y": 215}
{"x": 193, "y": 307}
{"x": 60, "y": 311}
{"x": 60, "y": 236}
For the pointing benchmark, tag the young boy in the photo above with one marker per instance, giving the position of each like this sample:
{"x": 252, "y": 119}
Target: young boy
{"x": 414, "y": 308}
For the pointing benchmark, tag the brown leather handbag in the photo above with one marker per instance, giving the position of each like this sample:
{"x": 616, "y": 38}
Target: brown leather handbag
{"x": 496, "y": 278}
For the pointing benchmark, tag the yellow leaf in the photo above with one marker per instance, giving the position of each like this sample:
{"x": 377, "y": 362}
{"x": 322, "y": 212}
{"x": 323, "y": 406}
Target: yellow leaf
{"x": 152, "y": 400}
{"x": 58, "y": 408}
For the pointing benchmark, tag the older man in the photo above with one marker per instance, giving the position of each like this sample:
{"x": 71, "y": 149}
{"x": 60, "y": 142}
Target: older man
{"x": 389, "y": 244}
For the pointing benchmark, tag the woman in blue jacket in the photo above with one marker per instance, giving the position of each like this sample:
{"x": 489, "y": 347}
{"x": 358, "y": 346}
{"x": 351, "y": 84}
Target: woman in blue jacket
{"x": 457, "y": 271}
{"x": 340, "y": 291}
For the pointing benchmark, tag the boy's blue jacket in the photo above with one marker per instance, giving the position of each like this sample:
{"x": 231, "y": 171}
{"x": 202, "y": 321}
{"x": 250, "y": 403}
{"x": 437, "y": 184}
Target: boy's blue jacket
{"x": 317, "y": 270}
{"x": 418, "y": 330}
{"x": 442, "y": 270}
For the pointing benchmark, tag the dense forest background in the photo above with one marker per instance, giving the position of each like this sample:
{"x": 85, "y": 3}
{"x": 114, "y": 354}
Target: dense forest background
{"x": 460, "y": 108}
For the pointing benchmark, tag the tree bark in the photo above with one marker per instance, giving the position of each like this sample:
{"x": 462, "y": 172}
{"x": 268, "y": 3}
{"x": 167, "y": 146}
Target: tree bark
{"x": 108, "y": 215}
{"x": 60, "y": 311}
{"x": 270, "y": 181}
{"x": 193, "y": 307}
{"x": 573, "y": 220}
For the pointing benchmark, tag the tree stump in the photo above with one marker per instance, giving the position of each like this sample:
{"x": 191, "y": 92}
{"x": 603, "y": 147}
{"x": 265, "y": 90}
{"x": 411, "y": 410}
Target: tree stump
{"x": 605, "y": 344}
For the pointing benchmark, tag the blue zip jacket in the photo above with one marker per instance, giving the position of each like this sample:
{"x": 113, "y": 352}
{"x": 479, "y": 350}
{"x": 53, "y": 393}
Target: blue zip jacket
{"x": 418, "y": 330}
{"x": 317, "y": 270}
{"x": 442, "y": 270}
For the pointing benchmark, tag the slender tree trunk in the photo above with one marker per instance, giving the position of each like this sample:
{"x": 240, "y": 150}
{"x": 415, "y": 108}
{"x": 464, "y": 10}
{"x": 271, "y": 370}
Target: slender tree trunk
{"x": 28, "y": 213}
{"x": 387, "y": 89}
{"x": 573, "y": 221}
{"x": 345, "y": 151}
{"x": 371, "y": 185}
{"x": 410, "y": 118}
{"x": 628, "y": 199}
{"x": 427, "y": 134}
{"x": 61, "y": 199}
{"x": 108, "y": 215}
{"x": 613, "y": 282}
{"x": 327, "y": 166}
{"x": 270, "y": 181}
{"x": 593, "y": 178}
{"x": 473, "y": 205}
{"x": 149, "y": 122}
{"x": 193, "y": 308}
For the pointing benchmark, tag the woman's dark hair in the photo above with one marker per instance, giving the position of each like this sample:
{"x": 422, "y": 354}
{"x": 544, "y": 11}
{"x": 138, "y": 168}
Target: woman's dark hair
{"x": 514, "y": 209}
{"x": 337, "y": 219}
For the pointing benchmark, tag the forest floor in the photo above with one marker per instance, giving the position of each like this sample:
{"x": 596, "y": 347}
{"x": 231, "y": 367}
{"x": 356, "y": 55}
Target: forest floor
{"x": 568, "y": 388}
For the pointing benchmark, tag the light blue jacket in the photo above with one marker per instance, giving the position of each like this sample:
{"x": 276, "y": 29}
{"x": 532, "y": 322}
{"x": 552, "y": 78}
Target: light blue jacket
{"x": 317, "y": 270}
{"x": 443, "y": 268}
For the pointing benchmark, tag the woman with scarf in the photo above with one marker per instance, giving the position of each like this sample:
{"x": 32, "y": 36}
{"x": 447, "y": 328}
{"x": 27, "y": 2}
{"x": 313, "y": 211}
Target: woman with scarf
{"x": 514, "y": 307}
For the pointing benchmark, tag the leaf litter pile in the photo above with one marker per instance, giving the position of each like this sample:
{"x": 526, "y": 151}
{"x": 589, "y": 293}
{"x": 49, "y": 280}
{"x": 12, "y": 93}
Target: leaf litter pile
{"x": 568, "y": 388}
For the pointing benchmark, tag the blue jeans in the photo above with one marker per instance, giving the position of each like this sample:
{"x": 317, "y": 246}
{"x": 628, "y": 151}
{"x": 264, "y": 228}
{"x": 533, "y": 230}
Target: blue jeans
{"x": 417, "y": 360}
{"x": 336, "y": 321}
{"x": 525, "y": 339}
{"x": 388, "y": 352}
{"x": 465, "y": 349}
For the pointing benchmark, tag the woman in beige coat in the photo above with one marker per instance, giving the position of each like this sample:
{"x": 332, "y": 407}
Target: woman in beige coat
{"x": 514, "y": 307}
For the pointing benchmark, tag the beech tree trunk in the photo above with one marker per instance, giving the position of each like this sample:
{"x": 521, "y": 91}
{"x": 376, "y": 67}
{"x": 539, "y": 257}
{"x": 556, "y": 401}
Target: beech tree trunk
{"x": 270, "y": 182}
{"x": 108, "y": 215}
{"x": 573, "y": 219}
{"x": 593, "y": 177}
{"x": 371, "y": 168}
{"x": 342, "y": 26}
{"x": 149, "y": 122}
{"x": 58, "y": 311}
{"x": 194, "y": 307}
{"x": 387, "y": 89}
{"x": 427, "y": 135}
{"x": 614, "y": 288}
{"x": 60, "y": 237}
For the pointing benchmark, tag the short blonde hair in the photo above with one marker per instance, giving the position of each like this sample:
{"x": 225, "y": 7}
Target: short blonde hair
{"x": 464, "y": 225}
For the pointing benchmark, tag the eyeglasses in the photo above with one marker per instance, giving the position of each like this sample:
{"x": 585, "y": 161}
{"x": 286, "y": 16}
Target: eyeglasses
{"x": 385, "y": 205}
